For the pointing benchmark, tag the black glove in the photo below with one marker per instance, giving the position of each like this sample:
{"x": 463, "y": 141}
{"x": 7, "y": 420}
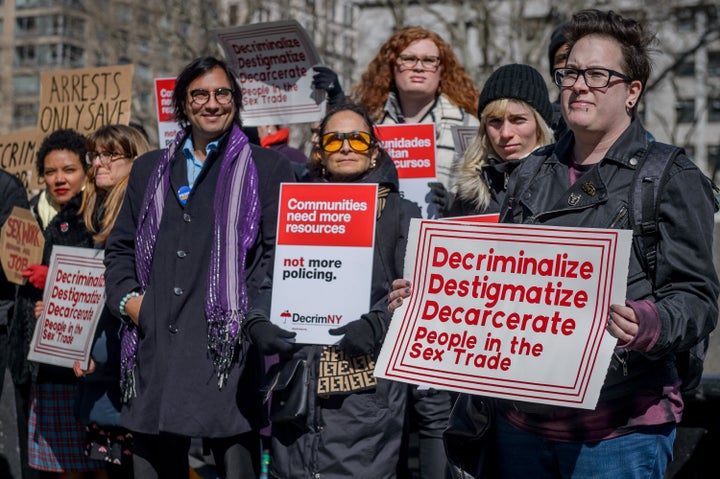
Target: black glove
{"x": 362, "y": 336}
{"x": 326, "y": 79}
{"x": 441, "y": 197}
{"x": 268, "y": 337}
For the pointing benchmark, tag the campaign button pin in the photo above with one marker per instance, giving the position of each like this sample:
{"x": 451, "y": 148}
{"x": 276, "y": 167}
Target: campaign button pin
{"x": 183, "y": 194}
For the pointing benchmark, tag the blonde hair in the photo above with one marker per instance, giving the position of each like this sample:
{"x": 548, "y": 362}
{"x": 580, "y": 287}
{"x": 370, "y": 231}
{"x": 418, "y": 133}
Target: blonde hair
{"x": 471, "y": 185}
{"x": 122, "y": 139}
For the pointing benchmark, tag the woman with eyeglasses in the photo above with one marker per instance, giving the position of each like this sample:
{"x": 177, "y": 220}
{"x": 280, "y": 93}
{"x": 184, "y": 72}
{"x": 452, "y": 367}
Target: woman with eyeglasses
{"x": 55, "y": 439}
{"x": 417, "y": 78}
{"x": 356, "y": 432}
{"x": 112, "y": 150}
{"x": 589, "y": 180}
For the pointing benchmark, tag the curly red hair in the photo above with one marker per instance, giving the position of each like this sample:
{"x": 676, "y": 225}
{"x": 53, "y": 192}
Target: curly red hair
{"x": 379, "y": 78}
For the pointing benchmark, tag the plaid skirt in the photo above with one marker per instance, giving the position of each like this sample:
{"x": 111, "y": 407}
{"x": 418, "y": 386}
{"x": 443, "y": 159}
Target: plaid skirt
{"x": 56, "y": 440}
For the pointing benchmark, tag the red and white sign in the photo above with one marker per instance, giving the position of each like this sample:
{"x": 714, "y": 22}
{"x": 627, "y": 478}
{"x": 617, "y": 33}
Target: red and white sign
{"x": 273, "y": 62}
{"x": 323, "y": 258}
{"x": 168, "y": 128}
{"x": 510, "y": 311}
{"x": 412, "y": 149}
{"x": 74, "y": 297}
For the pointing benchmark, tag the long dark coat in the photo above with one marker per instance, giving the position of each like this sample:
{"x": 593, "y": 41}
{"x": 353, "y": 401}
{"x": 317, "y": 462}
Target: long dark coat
{"x": 356, "y": 435}
{"x": 177, "y": 388}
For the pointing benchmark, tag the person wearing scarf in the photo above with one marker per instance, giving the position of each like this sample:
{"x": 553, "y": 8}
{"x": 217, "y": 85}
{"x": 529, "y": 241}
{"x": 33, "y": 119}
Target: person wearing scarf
{"x": 188, "y": 262}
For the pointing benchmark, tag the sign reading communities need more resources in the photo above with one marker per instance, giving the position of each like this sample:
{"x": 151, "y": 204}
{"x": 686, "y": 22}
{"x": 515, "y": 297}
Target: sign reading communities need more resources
{"x": 510, "y": 311}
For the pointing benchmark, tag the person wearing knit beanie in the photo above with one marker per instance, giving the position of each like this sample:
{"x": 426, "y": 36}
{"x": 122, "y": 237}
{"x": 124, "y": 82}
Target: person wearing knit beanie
{"x": 518, "y": 82}
{"x": 515, "y": 113}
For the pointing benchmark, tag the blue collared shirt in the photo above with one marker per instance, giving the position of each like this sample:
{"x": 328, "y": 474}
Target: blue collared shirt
{"x": 194, "y": 166}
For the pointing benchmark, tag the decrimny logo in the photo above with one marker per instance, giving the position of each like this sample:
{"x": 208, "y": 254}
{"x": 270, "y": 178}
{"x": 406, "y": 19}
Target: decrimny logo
{"x": 312, "y": 319}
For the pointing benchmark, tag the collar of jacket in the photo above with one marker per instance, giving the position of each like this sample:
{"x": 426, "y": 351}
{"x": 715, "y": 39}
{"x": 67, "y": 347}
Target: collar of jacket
{"x": 630, "y": 144}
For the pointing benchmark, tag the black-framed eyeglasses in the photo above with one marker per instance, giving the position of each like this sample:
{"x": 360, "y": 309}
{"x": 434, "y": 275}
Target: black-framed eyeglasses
{"x": 222, "y": 95}
{"x": 428, "y": 62}
{"x": 594, "y": 77}
{"x": 359, "y": 141}
{"x": 105, "y": 157}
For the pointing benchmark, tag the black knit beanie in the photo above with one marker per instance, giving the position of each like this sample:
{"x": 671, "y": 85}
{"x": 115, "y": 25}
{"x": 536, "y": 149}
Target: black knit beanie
{"x": 519, "y": 82}
{"x": 557, "y": 39}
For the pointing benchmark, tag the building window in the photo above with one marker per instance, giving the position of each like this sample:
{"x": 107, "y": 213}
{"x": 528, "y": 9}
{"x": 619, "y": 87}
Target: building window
{"x": 686, "y": 68}
{"x": 233, "y": 14}
{"x": 685, "y": 19}
{"x": 713, "y": 64}
{"x": 26, "y": 85}
{"x": 24, "y": 114}
{"x": 25, "y": 56}
{"x": 714, "y": 110}
{"x": 685, "y": 111}
{"x": 713, "y": 159}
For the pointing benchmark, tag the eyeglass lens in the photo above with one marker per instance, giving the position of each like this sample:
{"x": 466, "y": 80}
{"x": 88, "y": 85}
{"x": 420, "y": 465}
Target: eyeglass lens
{"x": 359, "y": 141}
{"x": 222, "y": 95}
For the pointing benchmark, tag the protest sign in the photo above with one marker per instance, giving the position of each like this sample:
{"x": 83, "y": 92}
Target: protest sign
{"x": 462, "y": 136}
{"x": 21, "y": 244}
{"x": 412, "y": 149}
{"x": 273, "y": 62}
{"x": 323, "y": 258}
{"x": 168, "y": 128}
{"x": 510, "y": 311}
{"x": 17, "y": 157}
{"x": 73, "y": 297}
{"x": 85, "y": 99}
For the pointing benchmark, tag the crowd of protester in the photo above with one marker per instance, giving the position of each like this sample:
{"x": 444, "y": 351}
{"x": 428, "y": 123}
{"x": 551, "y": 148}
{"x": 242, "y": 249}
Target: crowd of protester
{"x": 184, "y": 344}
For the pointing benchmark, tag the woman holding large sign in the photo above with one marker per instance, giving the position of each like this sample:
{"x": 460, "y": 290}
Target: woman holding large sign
{"x": 353, "y": 427}
{"x": 56, "y": 438}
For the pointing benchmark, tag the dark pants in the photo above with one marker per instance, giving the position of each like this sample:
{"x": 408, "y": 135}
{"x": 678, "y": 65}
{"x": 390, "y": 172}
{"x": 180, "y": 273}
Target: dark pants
{"x": 428, "y": 414}
{"x": 165, "y": 456}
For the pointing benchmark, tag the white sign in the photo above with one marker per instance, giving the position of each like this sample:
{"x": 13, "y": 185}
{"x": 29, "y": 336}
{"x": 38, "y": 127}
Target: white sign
{"x": 74, "y": 297}
{"x": 510, "y": 311}
{"x": 323, "y": 258}
{"x": 412, "y": 148}
{"x": 273, "y": 62}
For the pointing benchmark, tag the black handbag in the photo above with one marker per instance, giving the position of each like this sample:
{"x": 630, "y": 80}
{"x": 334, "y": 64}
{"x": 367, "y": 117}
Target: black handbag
{"x": 287, "y": 388}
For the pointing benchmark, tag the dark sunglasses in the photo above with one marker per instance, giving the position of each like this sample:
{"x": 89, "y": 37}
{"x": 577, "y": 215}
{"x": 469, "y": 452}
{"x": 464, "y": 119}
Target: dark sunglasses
{"x": 359, "y": 141}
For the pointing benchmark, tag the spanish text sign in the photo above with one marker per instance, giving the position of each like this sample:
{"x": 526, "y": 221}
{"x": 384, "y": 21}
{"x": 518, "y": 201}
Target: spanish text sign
{"x": 73, "y": 298}
{"x": 412, "y": 149}
{"x": 273, "y": 62}
{"x": 85, "y": 99}
{"x": 323, "y": 258}
{"x": 21, "y": 244}
{"x": 509, "y": 311}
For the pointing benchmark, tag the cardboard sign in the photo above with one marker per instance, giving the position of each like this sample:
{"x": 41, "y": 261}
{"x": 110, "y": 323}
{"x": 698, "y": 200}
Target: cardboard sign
{"x": 74, "y": 297}
{"x": 412, "y": 149}
{"x": 462, "y": 137}
{"x": 85, "y": 99}
{"x": 168, "y": 128}
{"x": 18, "y": 154}
{"x": 323, "y": 258}
{"x": 21, "y": 244}
{"x": 510, "y": 311}
{"x": 273, "y": 62}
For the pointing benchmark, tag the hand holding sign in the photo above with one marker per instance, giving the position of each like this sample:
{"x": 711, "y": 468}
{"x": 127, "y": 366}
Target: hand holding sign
{"x": 36, "y": 274}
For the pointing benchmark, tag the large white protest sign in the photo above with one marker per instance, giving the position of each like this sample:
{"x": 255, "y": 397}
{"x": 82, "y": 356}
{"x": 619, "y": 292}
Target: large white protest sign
{"x": 412, "y": 149}
{"x": 273, "y": 62}
{"x": 73, "y": 298}
{"x": 323, "y": 258}
{"x": 509, "y": 311}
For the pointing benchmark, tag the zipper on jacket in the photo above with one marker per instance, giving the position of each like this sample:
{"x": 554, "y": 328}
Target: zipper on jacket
{"x": 623, "y": 362}
{"x": 620, "y": 216}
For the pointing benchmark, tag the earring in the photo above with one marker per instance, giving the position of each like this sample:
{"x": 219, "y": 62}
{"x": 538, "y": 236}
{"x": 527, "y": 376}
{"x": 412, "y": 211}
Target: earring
{"x": 373, "y": 162}
{"x": 629, "y": 104}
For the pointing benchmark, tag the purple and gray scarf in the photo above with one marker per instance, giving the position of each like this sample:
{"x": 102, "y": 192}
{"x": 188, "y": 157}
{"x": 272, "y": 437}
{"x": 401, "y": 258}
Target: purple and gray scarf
{"x": 236, "y": 211}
